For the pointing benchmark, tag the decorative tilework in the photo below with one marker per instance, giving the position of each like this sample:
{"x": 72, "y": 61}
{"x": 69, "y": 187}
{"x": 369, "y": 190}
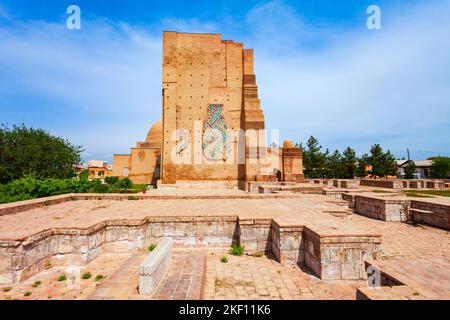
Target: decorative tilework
{"x": 216, "y": 140}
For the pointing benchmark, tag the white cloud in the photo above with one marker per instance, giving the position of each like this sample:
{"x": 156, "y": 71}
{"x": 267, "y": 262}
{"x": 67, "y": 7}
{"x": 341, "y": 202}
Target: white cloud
{"x": 390, "y": 86}
{"x": 101, "y": 86}
{"x": 103, "y": 81}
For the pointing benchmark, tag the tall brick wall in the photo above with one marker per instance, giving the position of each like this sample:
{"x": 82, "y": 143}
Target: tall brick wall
{"x": 199, "y": 70}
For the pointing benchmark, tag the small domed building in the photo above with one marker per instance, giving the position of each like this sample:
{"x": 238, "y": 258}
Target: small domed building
{"x": 142, "y": 164}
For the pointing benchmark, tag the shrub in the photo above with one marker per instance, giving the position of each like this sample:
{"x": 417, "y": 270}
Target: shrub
{"x": 36, "y": 284}
{"x": 236, "y": 250}
{"x": 99, "y": 277}
{"x": 30, "y": 188}
{"x": 96, "y": 186}
{"x": 152, "y": 247}
{"x": 27, "y": 294}
{"x": 87, "y": 276}
{"x": 62, "y": 278}
{"x": 124, "y": 183}
{"x": 224, "y": 259}
{"x": 111, "y": 180}
{"x": 84, "y": 175}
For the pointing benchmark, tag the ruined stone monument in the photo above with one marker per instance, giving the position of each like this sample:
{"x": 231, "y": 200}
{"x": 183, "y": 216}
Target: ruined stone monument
{"x": 212, "y": 130}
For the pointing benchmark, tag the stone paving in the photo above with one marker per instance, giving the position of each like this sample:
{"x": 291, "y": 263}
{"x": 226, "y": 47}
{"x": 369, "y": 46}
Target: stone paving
{"x": 305, "y": 209}
{"x": 405, "y": 247}
{"x": 262, "y": 278}
{"x": 50, "y": 288}
{"x": 185, "y": 278}
{"x": 194, "y": 274}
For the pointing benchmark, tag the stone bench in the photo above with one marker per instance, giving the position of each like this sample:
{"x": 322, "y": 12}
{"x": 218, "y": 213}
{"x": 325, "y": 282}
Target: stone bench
{"x": 153, "y": 269}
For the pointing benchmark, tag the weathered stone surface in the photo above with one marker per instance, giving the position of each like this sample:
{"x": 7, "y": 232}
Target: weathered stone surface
{"x": 153, "y": 269}
{"x": 382, "y": 208}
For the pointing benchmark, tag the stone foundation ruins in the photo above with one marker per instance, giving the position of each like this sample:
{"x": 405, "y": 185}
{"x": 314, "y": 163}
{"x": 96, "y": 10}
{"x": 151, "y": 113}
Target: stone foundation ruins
{"x": 330, "y": 256}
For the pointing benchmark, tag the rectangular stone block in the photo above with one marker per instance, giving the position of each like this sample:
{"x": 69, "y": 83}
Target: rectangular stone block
{"x": 154, "y": 267}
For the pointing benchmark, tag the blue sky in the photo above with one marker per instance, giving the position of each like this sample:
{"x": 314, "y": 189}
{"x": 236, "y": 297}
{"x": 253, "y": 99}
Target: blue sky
{"x": 320, "y": 71}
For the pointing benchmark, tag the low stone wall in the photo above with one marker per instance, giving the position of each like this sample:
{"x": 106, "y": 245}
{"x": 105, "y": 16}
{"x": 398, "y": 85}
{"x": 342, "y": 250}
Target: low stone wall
{"x": 392, "y": 184}
{"x": 328, "y": 183}
{"x": 350, "y": 198}
{"x": 404, "y": 184}
{"x": 207, "y": 184}
{"x": 349, "y": 184}
{"x": 254, "y": 235}
{"x": 432, "y": 214}
{"x": 267, "y": 188}
{"x": 415, "y": 184}
{"x": 287, "y": 244}
{"x": 381, "y": 209}
{"x": 333, "y": 194}
{"x": 339, "y": 257}
{"x": 21, "y": 259}
{"x": 435, "y": 185}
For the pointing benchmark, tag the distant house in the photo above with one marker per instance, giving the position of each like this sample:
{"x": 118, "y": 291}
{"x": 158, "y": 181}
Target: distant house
{"x": 78, "y": 168}
{"x": 422, "y": 168}
{"x": 99, "y": 169}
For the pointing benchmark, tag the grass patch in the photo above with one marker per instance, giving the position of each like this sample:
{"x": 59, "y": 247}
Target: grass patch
{"x": 62, "y": 277}
{"x": 236, "y": 250}
{"x": 224, "y": 259}
{"x": 99, "y": 277}
{"x": 152, "y": 247}
{"x": 87, "y": 276}
{"x": 36, "y": 284}
{"x": 133, "y": 198}
{"x": 441, "y": 193}
{"x": 416, "y": 194}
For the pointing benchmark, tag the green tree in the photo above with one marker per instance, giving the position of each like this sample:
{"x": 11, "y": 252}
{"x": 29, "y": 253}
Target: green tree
{"x": 84, "y": 175}
{"x": 111, "y": 180}
{"x": 313, "y": 159}
{"x": 335, "y": 166}
{"x": 440, "y": 168}
{"x": 34, "y": 152}
{"x": 361, "y": 168}
{"x": 410, "y": 169}
{"x": 349, "y": 162}
{"x": 383, "y": 163}
{"x": 124, "y": 183}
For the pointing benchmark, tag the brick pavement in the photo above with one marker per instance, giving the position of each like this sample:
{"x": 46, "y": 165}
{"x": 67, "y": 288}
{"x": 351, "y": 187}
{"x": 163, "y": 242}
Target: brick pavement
{"x": 262, "y": 278}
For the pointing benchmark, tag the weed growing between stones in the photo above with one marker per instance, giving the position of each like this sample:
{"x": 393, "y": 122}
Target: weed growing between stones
{"x": 99, "y": 277}
{"x": 62, "y": 277}
{"x": 87, "y": 276}
{"x": 236, "y": 250}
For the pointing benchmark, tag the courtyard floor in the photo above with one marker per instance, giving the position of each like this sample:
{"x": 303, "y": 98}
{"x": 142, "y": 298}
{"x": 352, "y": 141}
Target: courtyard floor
{"x": 417, "y": 254}
{"x": 194, "y": 274}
